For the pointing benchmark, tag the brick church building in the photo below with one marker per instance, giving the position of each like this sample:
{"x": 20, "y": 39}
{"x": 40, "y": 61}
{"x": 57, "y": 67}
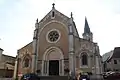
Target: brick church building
{"x": 56, "y": 46}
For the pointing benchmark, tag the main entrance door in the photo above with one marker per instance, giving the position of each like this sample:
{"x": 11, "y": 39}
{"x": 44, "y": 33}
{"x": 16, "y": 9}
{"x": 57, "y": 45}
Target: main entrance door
{"x": 54, "y": 67}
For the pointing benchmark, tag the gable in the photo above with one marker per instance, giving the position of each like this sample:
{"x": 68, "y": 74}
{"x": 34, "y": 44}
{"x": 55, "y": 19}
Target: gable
{"x": 58, "y": 17}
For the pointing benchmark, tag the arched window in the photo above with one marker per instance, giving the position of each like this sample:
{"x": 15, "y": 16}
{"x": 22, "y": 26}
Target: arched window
{"x": 84, "y": 59}
{"x": 26, "y": 62}
{"x": 53, "y": 14}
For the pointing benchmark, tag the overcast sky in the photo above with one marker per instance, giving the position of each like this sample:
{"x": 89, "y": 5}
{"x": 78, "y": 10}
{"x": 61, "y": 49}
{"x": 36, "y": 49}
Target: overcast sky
{"x": 18, "y": 17}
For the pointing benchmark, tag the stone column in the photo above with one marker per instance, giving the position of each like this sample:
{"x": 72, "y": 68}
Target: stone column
{"x": 15, "y": 69}
{"x": 45, "y": 67}
{"x": 34, "y": 54}
{"x": 61, "y": 67}
{"x": 97, "y": 62}
{"x": 98, "y": 69}
{"x": 97, "y": 66}
{"x": 33, "y": 58}
{"x": 71, "y": 50}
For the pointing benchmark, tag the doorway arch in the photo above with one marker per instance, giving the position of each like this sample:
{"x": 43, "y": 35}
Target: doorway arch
{"x": 53, "y": 56}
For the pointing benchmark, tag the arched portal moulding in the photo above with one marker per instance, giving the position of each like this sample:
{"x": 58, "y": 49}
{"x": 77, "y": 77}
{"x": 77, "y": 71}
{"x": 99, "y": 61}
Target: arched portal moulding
{"x": 53, "y": 53}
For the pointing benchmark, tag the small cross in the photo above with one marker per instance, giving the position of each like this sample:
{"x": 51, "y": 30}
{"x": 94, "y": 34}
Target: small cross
{"x": 53, "y": 5}
{"x": 71, "y": 15}
{"x": 37, "y": 20}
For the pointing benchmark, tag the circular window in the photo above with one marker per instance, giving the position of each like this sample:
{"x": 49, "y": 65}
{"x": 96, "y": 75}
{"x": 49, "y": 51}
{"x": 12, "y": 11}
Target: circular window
{"x": 53, "y": 36}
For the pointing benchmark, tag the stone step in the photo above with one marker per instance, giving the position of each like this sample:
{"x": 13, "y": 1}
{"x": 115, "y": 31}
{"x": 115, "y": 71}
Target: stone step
{"x": 53, "y": 77}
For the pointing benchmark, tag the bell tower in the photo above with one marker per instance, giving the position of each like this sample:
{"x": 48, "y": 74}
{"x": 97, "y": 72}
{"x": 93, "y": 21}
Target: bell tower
{"x": 87, "y": 33}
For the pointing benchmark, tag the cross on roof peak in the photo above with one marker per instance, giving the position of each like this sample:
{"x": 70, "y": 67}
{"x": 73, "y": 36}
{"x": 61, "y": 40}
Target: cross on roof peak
{"x": 71, "y": 15}
{"x": 37, "y": 20}
{"x": 53, "y": 5}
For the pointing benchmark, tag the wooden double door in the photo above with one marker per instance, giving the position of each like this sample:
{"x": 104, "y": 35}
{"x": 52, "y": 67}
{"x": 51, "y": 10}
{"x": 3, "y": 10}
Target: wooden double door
{"x": 54, "y": 67}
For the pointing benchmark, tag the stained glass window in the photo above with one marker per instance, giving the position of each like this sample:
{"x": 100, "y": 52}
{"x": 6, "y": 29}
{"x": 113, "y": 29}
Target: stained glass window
{"x": 84, "y": 59}
{"x": 26, "y": 62}
{"x": 53, "y": 36}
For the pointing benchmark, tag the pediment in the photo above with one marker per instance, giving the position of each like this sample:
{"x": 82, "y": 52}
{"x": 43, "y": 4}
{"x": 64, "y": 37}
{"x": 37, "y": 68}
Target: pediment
{"x": 58, "y": 16}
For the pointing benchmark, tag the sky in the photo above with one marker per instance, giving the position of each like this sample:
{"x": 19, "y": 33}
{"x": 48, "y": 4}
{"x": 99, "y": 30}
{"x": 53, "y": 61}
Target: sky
{"x": 18, "y": 17}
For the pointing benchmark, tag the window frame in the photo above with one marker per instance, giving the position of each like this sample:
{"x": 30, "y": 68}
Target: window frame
{"x": 26, "y": 62}
{"x": 115, "y": 61}
{"x": 29, "y": 62}
{"x": 84, "y": 59}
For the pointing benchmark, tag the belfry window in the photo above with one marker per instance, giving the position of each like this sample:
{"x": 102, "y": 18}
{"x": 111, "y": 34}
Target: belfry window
{"x": 53, "y": 14}
{"x": 26, "y": 62}
{"x": 84, "y": 59}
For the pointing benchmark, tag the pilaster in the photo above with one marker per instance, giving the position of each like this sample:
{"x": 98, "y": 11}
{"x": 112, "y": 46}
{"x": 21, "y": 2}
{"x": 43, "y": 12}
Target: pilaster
{"x": 34, "y": 54}
{"x": 71, "y": 49}
{"x": 15, "y": 69}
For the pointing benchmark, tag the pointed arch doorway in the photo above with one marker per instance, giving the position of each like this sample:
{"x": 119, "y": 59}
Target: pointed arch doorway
{"x": 53, "y": 62}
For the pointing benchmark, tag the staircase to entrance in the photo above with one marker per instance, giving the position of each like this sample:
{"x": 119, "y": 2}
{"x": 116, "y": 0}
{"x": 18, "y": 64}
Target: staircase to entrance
{"x": 53, "y": 77}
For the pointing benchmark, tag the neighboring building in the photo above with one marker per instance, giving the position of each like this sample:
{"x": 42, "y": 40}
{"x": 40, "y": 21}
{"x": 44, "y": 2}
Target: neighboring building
{"x": 56, "y": 46}
{"x": 111, "y": 60}
{"x": 6, "y": 65}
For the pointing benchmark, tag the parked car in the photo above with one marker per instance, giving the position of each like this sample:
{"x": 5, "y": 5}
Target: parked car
{"x": 84, "y": 76}
{"x": 115, "y": 75}
{"x": 111, "y": 75}
{"x": 30, "y": 76}
{"x": 106, "y": 74}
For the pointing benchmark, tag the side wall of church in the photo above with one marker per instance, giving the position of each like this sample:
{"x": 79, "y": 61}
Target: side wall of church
{"x": 23, "y": 53}
{"x": 88, "y": 48}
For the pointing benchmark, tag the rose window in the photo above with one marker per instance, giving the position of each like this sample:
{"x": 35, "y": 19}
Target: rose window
{"x": 53, "y": 36}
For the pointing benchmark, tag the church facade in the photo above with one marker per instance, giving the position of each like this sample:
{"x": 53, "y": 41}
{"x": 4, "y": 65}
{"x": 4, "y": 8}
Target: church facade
{"x": 56, "y": 46}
